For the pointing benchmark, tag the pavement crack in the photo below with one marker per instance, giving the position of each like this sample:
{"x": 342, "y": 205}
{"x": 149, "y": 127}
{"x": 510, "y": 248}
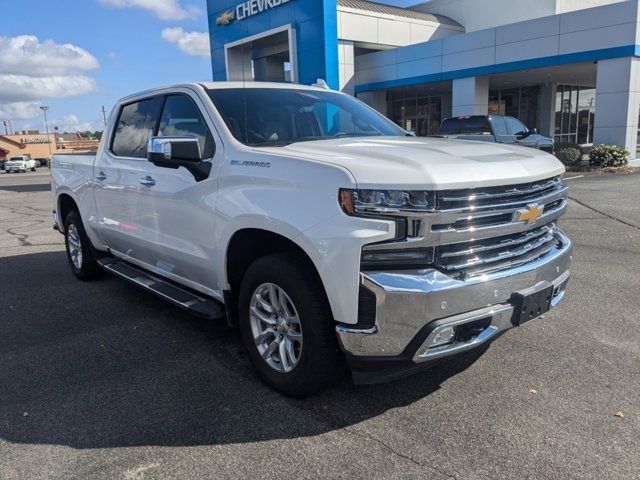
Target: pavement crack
{"x": 23, "y": 238}
{"x": 612, "y": 217}
{"x": 393, "y": 451}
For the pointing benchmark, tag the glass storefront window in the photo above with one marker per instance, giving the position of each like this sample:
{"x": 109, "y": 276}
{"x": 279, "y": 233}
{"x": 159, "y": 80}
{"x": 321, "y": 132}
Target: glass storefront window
{"x": 575, "y": 114}
{"x": 521, "y": 103}
{"x": 417, "y": 113}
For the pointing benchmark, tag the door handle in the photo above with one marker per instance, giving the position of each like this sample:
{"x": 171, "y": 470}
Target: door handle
{"x": 147, "y": 181}
{"x": 100, "y": 176}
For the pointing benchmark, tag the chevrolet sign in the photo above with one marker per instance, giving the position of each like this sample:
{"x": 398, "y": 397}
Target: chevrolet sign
{"x": 248, "y": 9}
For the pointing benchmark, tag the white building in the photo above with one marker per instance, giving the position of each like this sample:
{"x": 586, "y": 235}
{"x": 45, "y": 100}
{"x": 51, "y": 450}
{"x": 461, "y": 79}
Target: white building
{"x": 566, "y": 67}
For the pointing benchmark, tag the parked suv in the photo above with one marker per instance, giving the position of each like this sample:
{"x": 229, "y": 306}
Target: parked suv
{"x": 20, "y": 164}
{"x": 494, "y": 128}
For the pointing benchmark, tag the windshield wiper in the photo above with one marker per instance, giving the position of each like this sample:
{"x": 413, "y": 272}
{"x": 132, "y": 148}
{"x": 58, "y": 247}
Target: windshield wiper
{"x": 334, "y": 137}
{"x": 270, "y": 144}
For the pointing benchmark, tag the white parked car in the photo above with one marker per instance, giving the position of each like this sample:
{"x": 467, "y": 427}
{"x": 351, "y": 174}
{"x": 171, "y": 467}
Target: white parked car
{"x": 316, "y": 225}
{"x": 20, "y": 164}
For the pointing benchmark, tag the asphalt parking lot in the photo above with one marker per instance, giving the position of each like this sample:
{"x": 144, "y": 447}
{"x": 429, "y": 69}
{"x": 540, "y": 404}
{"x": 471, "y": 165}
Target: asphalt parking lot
{"x": 102, "y": 381}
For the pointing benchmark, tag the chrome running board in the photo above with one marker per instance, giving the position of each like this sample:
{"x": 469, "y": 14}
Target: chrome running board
{"x": 198, "y": 305}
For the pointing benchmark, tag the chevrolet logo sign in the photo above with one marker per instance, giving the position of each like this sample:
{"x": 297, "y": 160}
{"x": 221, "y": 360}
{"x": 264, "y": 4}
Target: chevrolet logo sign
{"x": 530, "y": 214}
{"x": 225, "y": 18}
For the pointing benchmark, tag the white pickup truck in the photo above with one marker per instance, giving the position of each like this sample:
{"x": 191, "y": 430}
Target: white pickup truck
{"x": 20, "y": 164}
{"x": 324, "y": 231}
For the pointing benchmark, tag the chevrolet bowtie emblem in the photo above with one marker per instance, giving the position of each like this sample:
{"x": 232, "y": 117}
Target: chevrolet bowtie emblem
{"x": 225, "y": 18}
{"x": 529, "y": 214}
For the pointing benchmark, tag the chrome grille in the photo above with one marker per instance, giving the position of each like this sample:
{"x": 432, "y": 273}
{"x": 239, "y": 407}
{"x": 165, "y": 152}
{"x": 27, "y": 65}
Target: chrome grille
{"x": 493, "y": 254}
{"x": 497, "y": 197}
{"x": 470, "y": 210}
{"x": 476, "y": 231}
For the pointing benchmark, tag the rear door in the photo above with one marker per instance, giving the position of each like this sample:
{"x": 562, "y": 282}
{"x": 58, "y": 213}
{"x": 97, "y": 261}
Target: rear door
{"x": 117, "y": 174}
{"x": 500, "y": 131}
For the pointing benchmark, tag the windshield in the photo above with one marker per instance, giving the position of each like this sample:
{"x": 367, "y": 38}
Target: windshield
{"x": 278, "y": 117}
{"x": 16, "y": 159}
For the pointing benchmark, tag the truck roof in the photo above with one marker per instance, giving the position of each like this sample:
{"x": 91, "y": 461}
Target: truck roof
{"x": 290, "y": 86}
{"x": 222, "y": 85}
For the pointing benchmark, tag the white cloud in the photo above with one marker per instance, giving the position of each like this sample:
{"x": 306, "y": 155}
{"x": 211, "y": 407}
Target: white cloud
{"x": 20, "y": 110}
{"x": 163, "y": 9}
{"x": 26, "y": 55}
{"x": 21, "y": 88}
{"x": 191, "y": 43}
{"x": 32, "y": 71}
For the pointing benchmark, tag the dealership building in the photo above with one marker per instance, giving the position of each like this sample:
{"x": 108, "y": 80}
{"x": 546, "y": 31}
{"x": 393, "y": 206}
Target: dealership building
{"x": 569, "y": 68}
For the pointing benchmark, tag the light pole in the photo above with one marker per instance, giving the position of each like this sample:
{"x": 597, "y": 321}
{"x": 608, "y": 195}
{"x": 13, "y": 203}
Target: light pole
{"x": 46, "y": 126}
{"x": 6, "y": 128}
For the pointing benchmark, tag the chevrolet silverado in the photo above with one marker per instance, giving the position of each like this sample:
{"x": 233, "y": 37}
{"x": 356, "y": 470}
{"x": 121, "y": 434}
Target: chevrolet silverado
{"x": 326, "y": 233}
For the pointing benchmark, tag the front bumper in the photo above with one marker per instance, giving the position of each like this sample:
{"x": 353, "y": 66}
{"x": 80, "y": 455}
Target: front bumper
{"x": 413, "y": 306}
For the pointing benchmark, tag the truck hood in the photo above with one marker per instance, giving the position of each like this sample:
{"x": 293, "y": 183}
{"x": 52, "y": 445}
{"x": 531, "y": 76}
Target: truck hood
{"x": 429, "y": 163}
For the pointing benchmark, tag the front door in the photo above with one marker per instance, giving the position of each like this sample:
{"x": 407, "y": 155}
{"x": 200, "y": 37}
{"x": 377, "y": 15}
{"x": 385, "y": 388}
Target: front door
{"x": 158, "y": 218}
{"x": 176, "y": 211}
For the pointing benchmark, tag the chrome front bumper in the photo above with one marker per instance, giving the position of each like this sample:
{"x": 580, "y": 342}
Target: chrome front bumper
{"x": 412, "y": 306}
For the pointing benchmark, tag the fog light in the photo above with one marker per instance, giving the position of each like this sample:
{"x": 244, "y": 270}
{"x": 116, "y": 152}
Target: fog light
{"x": 444, "y": 336}
{"x": 402, "y": 258}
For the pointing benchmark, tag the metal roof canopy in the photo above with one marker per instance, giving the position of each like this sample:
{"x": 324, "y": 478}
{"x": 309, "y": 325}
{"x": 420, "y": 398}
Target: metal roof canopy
{"x": 398, "y": 12}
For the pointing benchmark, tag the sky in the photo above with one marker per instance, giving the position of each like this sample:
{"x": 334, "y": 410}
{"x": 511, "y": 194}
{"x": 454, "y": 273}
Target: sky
{"x": 77, "y": 56}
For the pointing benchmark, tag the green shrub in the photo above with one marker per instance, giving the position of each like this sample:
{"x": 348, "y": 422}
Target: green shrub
{"x": 569, "y": 156}
{"x": 608, "y": 156}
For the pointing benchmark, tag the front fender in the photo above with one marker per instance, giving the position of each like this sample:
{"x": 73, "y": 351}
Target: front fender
{"x": 298, "y": 200}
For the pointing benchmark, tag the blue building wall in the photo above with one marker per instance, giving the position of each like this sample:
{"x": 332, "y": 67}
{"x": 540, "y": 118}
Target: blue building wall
{"x": 316, "y": 27}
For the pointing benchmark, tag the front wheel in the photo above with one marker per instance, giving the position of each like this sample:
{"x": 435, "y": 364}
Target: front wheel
{"x": 286, "y": 326}
{"x": 33, "y": 169}
{"x": 80, "y": 252}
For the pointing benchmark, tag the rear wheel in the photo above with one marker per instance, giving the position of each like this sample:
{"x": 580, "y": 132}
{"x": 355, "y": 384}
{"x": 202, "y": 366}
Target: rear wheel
{"x": 286, "y": 326}
{"x": 80, "y": 252}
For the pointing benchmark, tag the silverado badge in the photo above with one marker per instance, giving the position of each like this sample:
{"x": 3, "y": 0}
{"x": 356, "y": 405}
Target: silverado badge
{"x": 225, "y": 18}
{"x": 530, "y": 214}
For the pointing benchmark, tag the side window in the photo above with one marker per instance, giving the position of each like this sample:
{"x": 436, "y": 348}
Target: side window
{"x": 136, "y": 124}
{"x": 499, "y": 127}
{"x": 515, "y": 126}
{"x": 181, "y": 117}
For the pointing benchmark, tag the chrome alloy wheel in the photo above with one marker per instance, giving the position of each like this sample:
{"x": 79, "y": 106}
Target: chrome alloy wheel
{"x": 276, "y": 327}
{"x": 75, "y": 246}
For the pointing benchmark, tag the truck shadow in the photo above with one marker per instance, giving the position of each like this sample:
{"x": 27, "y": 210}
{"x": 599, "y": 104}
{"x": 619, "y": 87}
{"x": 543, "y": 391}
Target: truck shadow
{"x": 27, "y": 188}
{"x": 102, "y": 364}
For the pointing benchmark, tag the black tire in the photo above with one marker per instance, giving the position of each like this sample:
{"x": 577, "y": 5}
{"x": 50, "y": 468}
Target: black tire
{"x": 33, "y": 169}
{"x": 88, "y": 268}
{"x": 320, "y": 361}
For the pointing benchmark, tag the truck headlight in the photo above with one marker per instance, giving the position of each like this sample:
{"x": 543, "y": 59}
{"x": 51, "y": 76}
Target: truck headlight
{"x": 385, "y": 202}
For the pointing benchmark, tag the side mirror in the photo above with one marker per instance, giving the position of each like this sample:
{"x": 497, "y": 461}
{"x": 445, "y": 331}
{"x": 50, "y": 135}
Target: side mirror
{"x": 171, "y": 152}
{"x": 176, "y": 152}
